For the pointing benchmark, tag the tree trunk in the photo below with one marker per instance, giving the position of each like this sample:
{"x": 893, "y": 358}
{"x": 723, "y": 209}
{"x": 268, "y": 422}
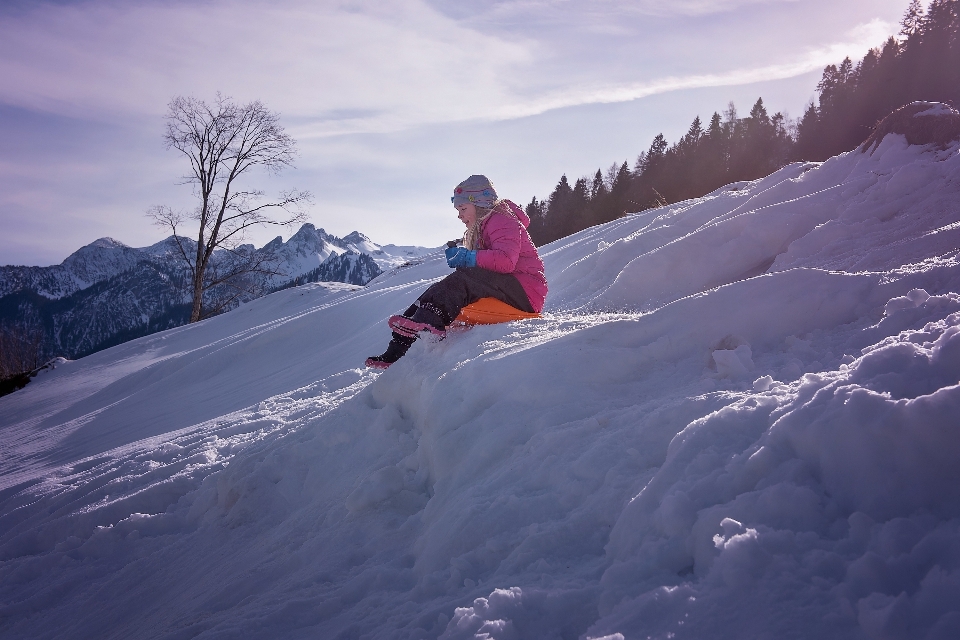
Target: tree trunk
{"x": 197, "y": 296}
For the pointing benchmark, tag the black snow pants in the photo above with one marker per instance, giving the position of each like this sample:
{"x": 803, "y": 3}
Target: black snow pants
{"x": 466, "y": 285}
{"x": 441, "y": 303}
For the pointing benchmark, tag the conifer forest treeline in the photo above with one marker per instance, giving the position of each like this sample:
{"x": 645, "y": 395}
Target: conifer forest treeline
{"x": 921, "y": 63}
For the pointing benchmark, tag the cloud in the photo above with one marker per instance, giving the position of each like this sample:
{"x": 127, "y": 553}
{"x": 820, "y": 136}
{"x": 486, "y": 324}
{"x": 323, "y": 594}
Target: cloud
{"x": 580, "y": 12}
{"x": 400, "y": 60}
{"x": 857, "y": 42}
{"x": 697, "y": 7}
{"x": 365, "y": 66}
{"x": 860, "y": 39}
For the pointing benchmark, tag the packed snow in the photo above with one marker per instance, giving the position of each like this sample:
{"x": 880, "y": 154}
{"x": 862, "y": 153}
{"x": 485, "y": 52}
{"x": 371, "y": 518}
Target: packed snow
{"x": 739, "y": 417}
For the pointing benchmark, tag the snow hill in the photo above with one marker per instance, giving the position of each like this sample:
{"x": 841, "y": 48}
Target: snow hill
{"x": 739, "y": 417}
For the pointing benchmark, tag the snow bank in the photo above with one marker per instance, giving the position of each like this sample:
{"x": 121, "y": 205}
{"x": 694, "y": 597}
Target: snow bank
{"x": 737, "y": 418}
{"x": 920, "y": 123}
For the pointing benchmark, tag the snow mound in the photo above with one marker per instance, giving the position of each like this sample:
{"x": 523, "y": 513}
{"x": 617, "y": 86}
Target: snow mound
{"x": 920, "y": 123}
{"x": 737, "y": 417}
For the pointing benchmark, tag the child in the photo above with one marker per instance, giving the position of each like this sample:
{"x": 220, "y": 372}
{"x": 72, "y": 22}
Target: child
{"x": 497, "y": 260}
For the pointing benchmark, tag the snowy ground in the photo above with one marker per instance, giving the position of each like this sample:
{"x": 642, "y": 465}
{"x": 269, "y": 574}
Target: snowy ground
{"x": 739, "y": 417}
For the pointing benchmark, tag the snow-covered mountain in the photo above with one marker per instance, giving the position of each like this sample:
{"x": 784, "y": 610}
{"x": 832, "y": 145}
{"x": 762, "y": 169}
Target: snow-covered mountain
{"x": 737, "y": 418}
{"x": 104, "y": 258}
{"x": 346, "y": 267}
{"x": 143, "y": 299}
{"x": 93, "y": 263}
{"x": 107, "y": 292}
{"x": 310, "y": 247}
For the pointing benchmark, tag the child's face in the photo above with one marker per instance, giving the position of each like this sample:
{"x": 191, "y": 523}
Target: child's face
{"x": 467, "y": 212}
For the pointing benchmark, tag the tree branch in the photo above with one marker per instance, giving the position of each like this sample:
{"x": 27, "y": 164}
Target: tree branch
{"x": 222, "y": 142}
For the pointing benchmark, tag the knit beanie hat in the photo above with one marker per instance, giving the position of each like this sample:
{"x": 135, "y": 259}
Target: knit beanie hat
{"x": 476, "y": 190}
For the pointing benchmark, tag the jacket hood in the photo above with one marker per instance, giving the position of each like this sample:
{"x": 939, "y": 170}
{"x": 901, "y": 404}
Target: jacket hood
{"x": 515, "y": 211}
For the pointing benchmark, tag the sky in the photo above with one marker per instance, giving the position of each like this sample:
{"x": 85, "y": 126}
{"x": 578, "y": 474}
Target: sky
{"x": 391, "y": 104}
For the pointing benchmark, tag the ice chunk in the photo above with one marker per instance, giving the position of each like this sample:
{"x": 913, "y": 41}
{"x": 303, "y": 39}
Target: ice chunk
{"x": 763, "y": 383}
{"x": 913, "y": 299}
{"x": 733, "y": 363}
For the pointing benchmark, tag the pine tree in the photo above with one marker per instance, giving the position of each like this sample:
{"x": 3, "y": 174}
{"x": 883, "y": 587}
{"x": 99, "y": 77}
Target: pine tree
{"x": 535, "y": 210}
{"x": 558, "y": 211}
{"x": 714, "y": 130}
{"x": 597, "y": 188}
{"x": 656, "y": 152}
{"x": 758, "y": 114}
{"x": 912, "y": 20}
{"x": 712, "y": 158}
{"x": 578, "y": 216}
{"x": 694, "y": 133}
{"x": 612, "y": 204}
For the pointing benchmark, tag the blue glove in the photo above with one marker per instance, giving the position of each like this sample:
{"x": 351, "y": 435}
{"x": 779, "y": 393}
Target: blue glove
{"x": 460, "y": 257}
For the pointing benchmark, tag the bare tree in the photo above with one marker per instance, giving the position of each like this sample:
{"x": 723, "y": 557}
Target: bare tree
{"x": 223, "y": 142}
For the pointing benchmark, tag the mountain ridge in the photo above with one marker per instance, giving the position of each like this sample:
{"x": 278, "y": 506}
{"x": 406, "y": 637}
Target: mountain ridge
{"x": 106, "y": 257}
{"x": 106, "y": 292}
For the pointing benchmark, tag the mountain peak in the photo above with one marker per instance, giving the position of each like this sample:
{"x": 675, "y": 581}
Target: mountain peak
{"x": 98, "y": 250}
{"x": 106, "y": 242}
{"x": 309, "y": 232}
{"x": 354, "y": 237}
{"x": 274, "y": 244}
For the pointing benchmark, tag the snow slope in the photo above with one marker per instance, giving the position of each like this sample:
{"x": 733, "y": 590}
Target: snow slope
{"x": 738, "y": 417}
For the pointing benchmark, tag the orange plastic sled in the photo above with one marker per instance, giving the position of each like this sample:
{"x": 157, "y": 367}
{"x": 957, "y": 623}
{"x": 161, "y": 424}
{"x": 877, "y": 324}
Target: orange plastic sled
{"x": 490, "y": 311}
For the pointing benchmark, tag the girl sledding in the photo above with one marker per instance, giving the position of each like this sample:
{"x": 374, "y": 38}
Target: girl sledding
{"x": 497, "y": 259}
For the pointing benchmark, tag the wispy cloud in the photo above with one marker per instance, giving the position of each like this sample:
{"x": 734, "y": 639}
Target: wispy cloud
{"x": 509, "y": 106}
{"x": 862, "y": 38}
{"x": 366, "y": 66}
{"x": 101, "y": 57}
{"x": 588, "y": 13}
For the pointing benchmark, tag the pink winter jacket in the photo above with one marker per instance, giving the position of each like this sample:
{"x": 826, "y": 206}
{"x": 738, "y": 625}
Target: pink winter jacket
{"x": 506, "y": 247}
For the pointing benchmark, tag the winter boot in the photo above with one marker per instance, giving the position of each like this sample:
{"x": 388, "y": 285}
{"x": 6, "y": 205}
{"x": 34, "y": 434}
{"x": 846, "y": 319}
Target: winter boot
{"x": 395, "y": 350}
{"x": 426, "y": 318}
